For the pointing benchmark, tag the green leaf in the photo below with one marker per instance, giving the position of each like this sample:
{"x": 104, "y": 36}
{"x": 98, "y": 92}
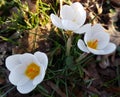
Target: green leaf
{"x": 69, "y": 60}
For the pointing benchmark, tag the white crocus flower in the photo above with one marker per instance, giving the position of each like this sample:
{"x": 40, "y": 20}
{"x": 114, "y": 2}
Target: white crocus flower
{"x": 72, "y": 17}
{"x": 27, "y": 70}
{"x": 97, "y": 41}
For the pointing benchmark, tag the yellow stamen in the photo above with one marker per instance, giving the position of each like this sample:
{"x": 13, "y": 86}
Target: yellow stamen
{"x": 93, "y": 44}
{"x": 32, "y": 71}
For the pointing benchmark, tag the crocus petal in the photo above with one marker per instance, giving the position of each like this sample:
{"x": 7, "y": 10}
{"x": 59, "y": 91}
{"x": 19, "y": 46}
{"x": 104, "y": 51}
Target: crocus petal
{"x": 38, "y": 79}
{"x": 26, "y": 88}
{"x": 81, "y": 46}
{"x": 67, "y": 12}
{"x": 94, "y": 30}
{"x": 69, "y": 25}
{"x": 97, "y": 28}
{"x": 107, "y": 50}
{"x": 85, "y": 28}
{"x": 77, "y": 5}
{"x": 42, "y": 58}
{"x": 28, "y": 58}
{"x": 56, "y": 21}
{"x": 110, "y": 48}
{"x": 12, "y": 61}
{"x": 88, "y": 34}
{"x": 96, "y": 51}
{"x": 17, "y": 76}
{"x": 79, "y": 12}
{"x": 102, "y": 38}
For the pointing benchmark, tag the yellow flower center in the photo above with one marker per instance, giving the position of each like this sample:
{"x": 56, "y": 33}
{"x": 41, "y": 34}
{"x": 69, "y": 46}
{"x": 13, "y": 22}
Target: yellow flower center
{"x": 93, "y": 44}
{"x": 32, "y": 71}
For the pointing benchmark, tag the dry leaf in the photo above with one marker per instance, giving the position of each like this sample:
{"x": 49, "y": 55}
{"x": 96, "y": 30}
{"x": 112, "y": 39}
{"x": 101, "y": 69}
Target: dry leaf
{"x": 115, "y": 34}
{"x": 99, "y": 8}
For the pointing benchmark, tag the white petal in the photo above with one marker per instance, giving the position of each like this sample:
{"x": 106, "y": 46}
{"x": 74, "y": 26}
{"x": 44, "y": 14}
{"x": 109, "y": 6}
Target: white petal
{"x": 82, "y": 46}
{"x": 77, "y": 6}
{"x": 28, "y": 58}
{"x": 26, "y": 88}
{"x": 80, "y": 13}
{"x": 69, "y": 25}
{"x": 40, "y": 77}
{"x": 56, "y": 21}
{"x": 67, "y": 12}
{"x": 85, "y": 28}
{"x": 96, "y": 51}
{"x": 109, "y": 49}
{"x": 17, "y": 76}
{"x": 12, "y": 61}
{"x": 97, "y": 28}
{"x": 102, "y": 37}
{"x": 103, "y": 40}
{"x": 42, "y": 58}
{"x": 88, "y": 35}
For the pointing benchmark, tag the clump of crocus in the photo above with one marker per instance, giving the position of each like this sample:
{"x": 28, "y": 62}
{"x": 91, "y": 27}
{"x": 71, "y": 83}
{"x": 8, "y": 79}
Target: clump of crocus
{"x": 96, "y": 41}
{"x": 72, "y": 17}
{"x": 27, "y": 70}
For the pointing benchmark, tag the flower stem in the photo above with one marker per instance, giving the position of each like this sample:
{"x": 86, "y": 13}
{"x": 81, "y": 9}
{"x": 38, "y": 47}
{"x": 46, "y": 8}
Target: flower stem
{"x": 69, "y": 42}
{"x": 68, "y": 46}
{"x": 81, "y": 57}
